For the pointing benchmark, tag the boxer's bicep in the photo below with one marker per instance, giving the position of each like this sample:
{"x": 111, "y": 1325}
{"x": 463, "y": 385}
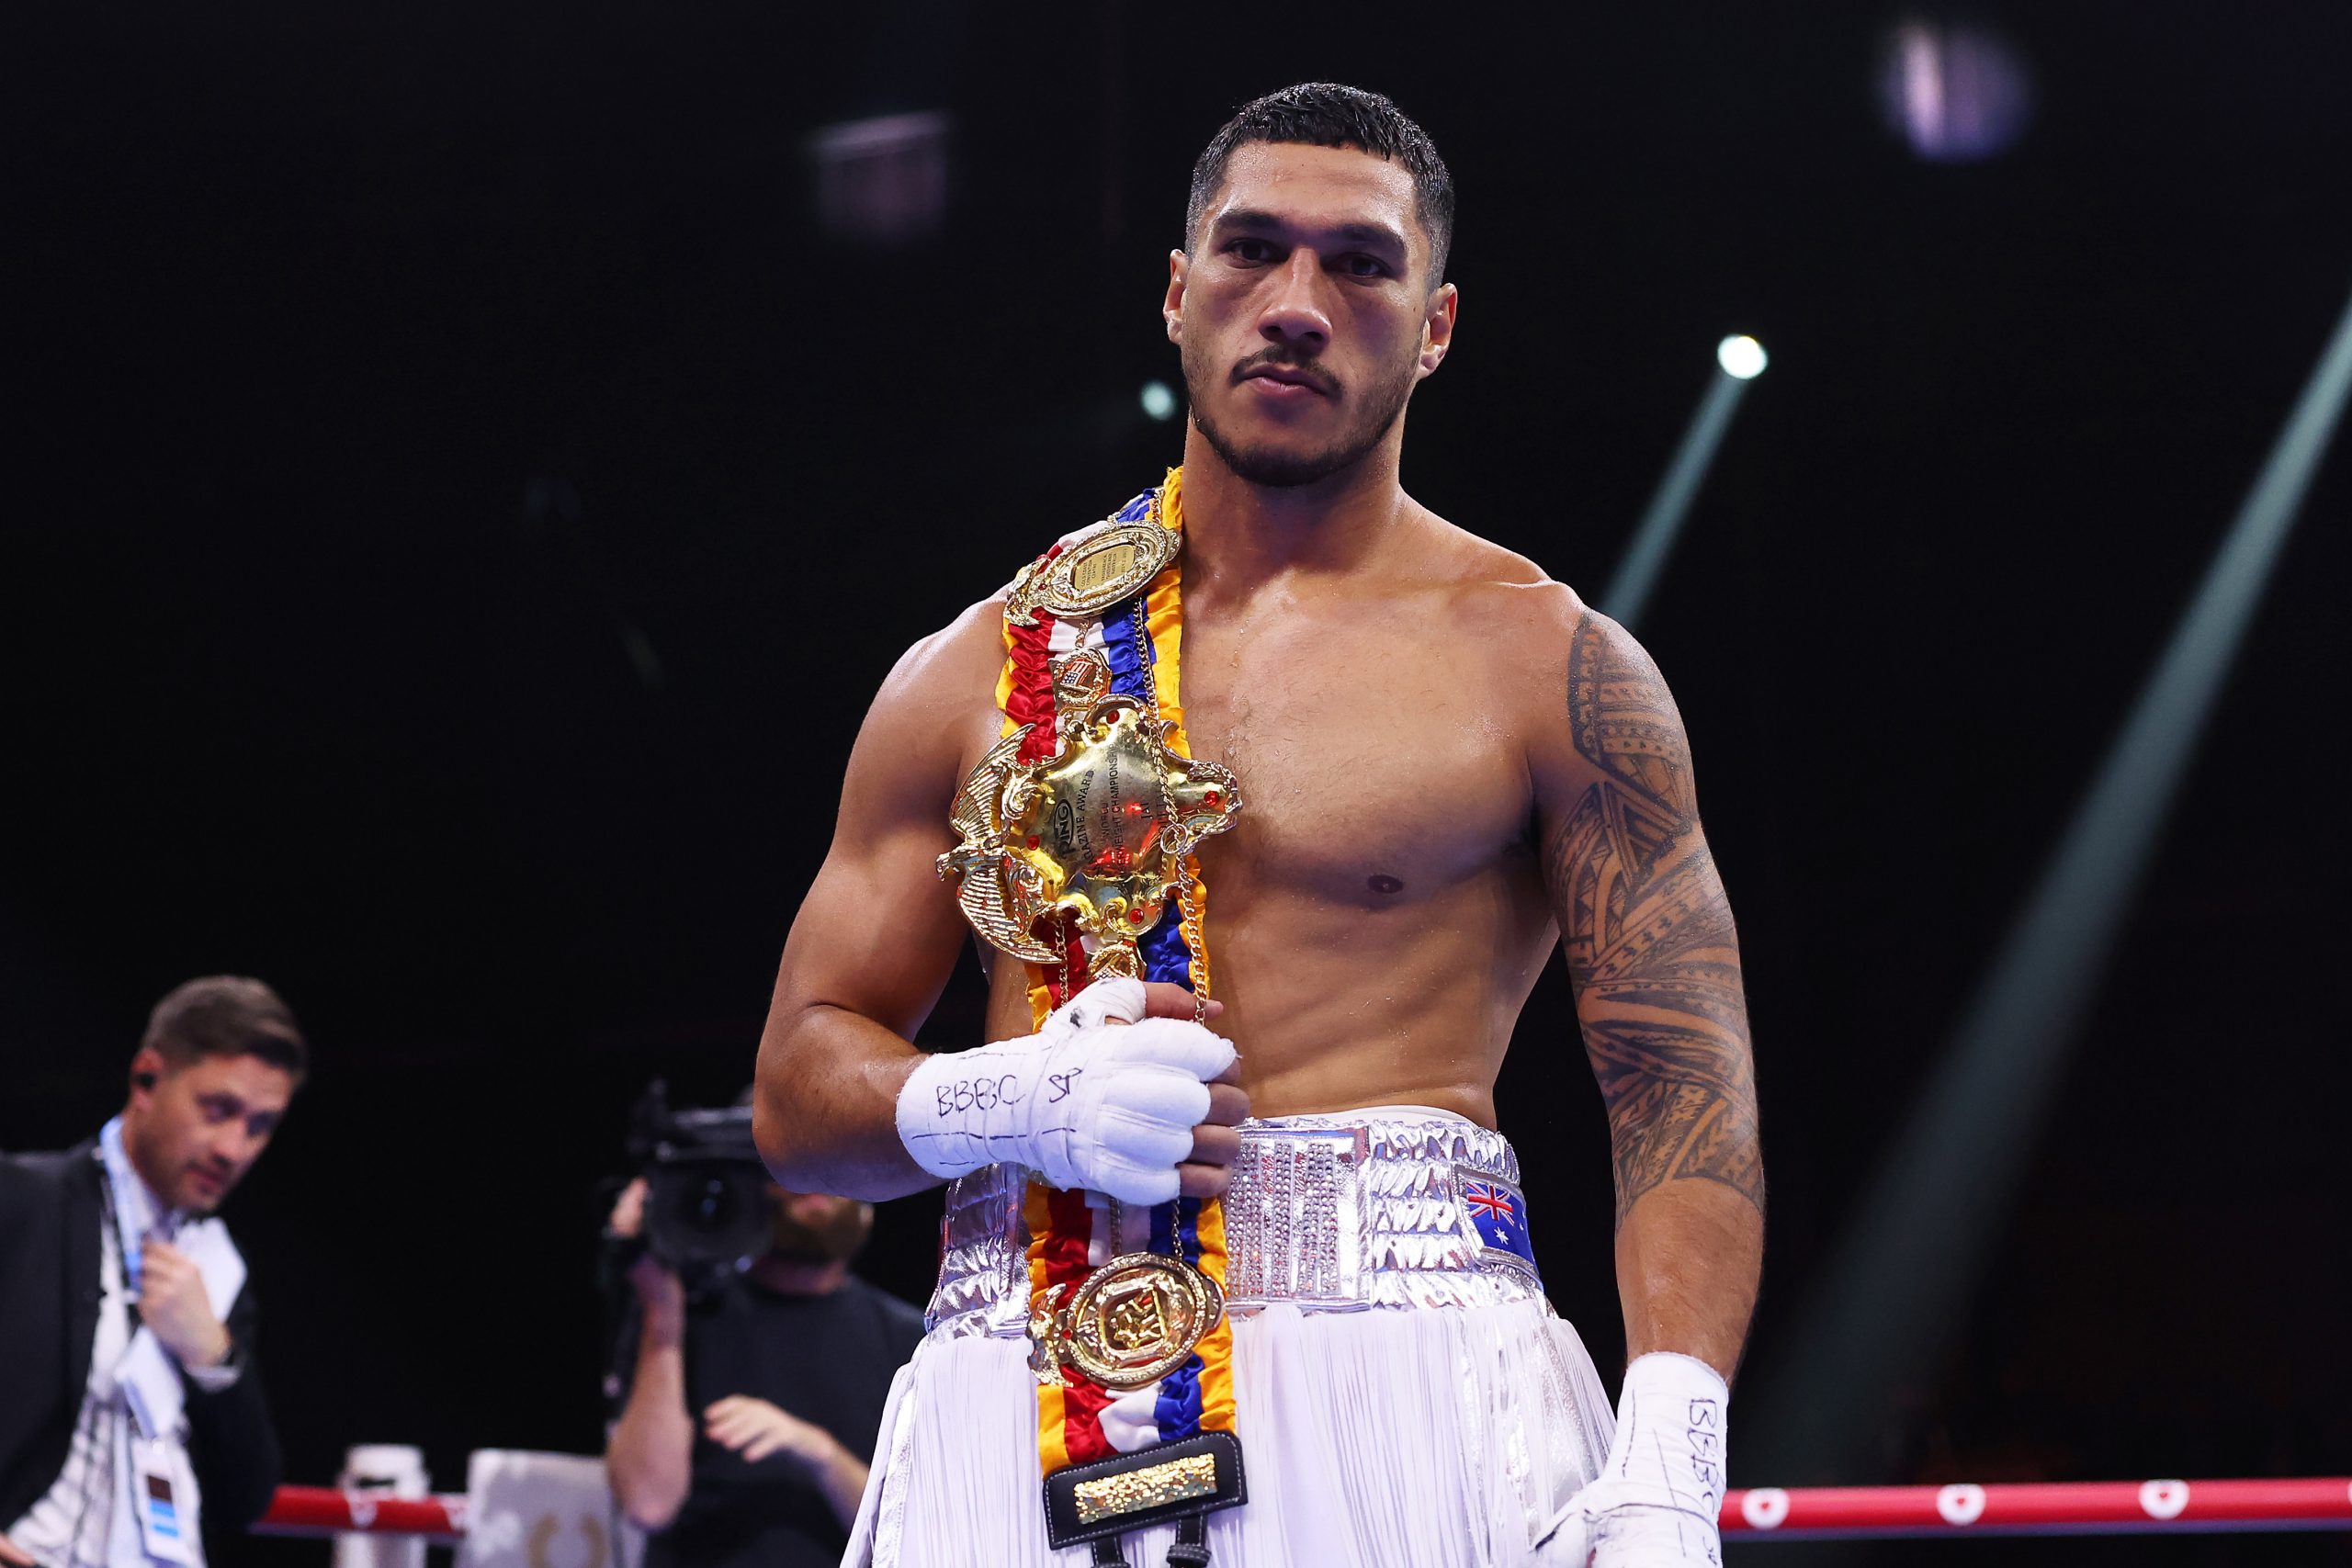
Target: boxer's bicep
{"x": 875, "y": 939}
{"x": 879, "y": 932}
{"x": 1645, "y": 926}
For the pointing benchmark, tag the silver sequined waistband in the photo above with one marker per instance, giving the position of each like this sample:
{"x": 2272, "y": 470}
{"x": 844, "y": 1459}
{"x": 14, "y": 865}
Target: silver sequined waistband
{"x": 1399, "y": 1206}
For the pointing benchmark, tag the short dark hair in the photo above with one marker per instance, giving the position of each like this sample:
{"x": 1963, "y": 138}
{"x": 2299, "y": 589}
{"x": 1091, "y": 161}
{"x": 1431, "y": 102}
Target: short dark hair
{"x": 226, "y": 1015}
{"x": 1326, "y": 114}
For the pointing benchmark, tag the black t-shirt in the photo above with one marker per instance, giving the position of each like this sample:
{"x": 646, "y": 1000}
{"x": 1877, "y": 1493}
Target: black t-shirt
{"x": 828, "y": 1359}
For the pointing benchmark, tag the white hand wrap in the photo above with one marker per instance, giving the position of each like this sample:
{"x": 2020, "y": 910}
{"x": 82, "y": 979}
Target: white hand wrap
{"x": 1654, "y": 1502}
{"x": 1110, "y": 1107}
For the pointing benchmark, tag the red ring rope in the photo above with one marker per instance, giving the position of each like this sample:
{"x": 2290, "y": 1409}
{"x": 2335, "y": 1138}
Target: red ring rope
{"x": 323, "y": 1510}
{"x": 2038, "y": 1508}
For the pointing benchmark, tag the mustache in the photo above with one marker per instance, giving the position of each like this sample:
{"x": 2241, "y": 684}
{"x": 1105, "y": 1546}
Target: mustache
{"x": 1290, "y": 359}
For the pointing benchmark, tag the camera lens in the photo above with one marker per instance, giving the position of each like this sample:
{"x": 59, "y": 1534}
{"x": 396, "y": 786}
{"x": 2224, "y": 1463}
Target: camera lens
{"x": 715, "y": 1206}
{"x": 708, "y": 1211}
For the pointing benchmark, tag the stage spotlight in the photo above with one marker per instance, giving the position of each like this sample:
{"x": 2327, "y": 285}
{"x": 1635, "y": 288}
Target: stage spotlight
{"x": 1159, "y": 399}
{"x": 1741, "y": 356}
{"x": 1741, "y": 360}
{"x": 882, "y": 182}
{"x": 1955, "y": 94}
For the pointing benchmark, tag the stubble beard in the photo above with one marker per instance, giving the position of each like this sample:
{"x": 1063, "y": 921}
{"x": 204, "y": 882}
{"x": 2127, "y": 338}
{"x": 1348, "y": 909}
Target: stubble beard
{"x": 1275, "y": 469}
{"x": 836, "y": 1239}
{"x": 149, "y": 1155}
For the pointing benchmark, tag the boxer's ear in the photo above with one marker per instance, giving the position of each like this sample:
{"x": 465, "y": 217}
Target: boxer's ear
{"x": 1172, "y": 308}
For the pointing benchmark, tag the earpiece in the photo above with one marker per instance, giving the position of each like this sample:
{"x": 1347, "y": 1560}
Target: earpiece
{"x": 144, "y": 1081}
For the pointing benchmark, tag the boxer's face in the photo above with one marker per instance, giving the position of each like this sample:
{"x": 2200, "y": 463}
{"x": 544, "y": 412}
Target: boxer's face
{"x": 1305, "y": 312}
{"x": 194, "y": 1134}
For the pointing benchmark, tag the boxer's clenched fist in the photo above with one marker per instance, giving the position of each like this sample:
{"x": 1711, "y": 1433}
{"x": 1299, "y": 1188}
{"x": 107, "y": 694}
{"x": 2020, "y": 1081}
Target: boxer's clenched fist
{"x": 1120, "y": 1092}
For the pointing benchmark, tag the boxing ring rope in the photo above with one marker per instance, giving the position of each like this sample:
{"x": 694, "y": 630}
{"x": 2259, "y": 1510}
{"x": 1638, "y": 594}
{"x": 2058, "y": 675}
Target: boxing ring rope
{"x": 2071, "y": 1507}
{"x": 1813, "y": 1513}
{"x": 326, "y": 1510}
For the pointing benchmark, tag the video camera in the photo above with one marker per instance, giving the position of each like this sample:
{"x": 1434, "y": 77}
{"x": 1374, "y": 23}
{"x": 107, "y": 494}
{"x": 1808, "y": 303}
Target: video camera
{"x": 707, "y": 1199}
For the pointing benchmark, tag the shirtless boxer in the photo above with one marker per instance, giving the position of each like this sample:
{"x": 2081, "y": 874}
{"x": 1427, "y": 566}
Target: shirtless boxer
{"x": 1448, "y": 764}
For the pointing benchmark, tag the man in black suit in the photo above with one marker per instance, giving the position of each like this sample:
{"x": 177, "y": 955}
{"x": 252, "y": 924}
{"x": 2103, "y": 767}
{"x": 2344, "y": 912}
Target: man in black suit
{"x": 130, "y": 1413}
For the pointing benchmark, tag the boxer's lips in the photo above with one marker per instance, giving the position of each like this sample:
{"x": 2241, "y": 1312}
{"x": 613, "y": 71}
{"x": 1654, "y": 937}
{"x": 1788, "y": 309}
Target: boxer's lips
{"x": 1283, "y": 381}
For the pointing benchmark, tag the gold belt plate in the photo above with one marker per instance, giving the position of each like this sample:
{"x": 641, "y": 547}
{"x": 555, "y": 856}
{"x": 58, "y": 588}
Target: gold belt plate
{"x": 1111, "y": 561}
{"x": 1098, "y": 831}
{"x": 1131, "y": 1321}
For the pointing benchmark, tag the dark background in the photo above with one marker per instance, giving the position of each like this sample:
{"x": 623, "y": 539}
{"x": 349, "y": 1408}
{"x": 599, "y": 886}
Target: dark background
{"x": 459, "y": 504}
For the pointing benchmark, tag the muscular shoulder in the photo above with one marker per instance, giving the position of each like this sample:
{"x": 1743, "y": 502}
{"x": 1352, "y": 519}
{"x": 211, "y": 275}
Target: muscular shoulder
{"x": 1590, "y": 700}
{"x": 1524, "y": 633}
{"x": 939, "y": 683}
{"x": 1496, "y": 595}
{"x": 930, "y": 710}
{"x": 1506, "y": 606}
{"x": 945, "y": 665}
{"x": 1472, "y": 562}
{"x": 1606, "y": 717}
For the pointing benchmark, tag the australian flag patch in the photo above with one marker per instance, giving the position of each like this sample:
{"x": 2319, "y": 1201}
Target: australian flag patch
{"x": 1499, "y": 1212}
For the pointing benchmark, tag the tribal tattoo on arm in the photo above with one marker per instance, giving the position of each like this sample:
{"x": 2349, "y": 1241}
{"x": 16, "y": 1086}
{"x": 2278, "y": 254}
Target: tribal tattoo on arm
{"x": 1649, "y": 934}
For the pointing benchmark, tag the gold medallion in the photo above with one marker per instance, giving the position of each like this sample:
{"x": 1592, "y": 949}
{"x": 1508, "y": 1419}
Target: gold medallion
{"x": 1106, "y": 563}
{"x": 1136, "y": 1319}
{"x": 1097, "y": 831}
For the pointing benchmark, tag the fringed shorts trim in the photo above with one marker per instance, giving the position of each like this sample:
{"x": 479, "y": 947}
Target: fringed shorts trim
{"x": 1436, "y": 1438}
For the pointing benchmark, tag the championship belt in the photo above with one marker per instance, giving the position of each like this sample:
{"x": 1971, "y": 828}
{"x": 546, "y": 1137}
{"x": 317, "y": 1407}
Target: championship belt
{"x": 1077, "y": 834}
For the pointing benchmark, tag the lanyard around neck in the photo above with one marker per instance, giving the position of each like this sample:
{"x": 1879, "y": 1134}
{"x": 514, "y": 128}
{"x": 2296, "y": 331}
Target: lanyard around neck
{"x": 123, "y": 1186}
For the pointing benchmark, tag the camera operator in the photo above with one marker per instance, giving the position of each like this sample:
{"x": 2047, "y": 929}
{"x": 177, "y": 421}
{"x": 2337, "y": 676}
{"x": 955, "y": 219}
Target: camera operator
{"x": 130, "y": 1415}
{"x": 753, "y": 1399}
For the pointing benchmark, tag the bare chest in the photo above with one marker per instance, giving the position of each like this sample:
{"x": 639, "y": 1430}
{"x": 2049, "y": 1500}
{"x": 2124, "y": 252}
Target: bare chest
{"x": 1372, "y": 763}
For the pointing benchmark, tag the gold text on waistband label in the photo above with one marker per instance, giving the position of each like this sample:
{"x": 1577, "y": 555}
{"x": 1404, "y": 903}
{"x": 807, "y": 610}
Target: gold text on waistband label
{"x": 1109, "y": 1497}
